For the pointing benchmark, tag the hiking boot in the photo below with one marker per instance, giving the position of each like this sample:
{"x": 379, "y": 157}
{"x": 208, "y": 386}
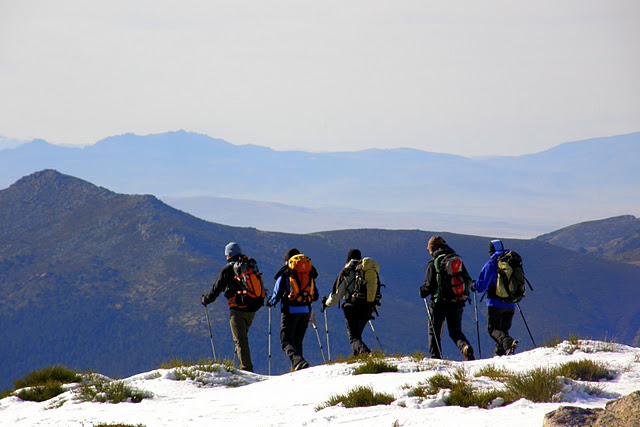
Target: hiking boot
{"x": 512, "y": 348}
{"x": 467, "y": 352}
{"x": 303, "y": 364}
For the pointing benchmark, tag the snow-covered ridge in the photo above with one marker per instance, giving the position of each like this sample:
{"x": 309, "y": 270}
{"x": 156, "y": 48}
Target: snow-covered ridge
{"x": 192, "y": 397}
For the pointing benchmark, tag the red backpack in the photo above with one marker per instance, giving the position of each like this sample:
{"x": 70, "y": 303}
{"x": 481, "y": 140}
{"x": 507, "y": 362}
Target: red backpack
{"x": 252, "y": 292}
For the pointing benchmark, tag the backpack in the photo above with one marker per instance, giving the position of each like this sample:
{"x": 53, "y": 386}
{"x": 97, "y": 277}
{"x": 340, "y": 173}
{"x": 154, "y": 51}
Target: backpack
{"x": 252, "y": 292}
{"x": 301, "y": 284}
{"x": 511, "y": 284}
{"x": 453, "y": 286}
{"x": 366, "y": 283}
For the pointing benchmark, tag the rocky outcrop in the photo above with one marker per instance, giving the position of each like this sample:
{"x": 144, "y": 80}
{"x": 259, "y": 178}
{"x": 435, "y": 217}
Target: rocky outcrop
{"x": 622, "y": 412}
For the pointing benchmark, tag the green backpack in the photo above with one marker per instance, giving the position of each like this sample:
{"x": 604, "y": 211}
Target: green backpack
{"x": 511, "y": 285}
{"x": 366, "y": 284}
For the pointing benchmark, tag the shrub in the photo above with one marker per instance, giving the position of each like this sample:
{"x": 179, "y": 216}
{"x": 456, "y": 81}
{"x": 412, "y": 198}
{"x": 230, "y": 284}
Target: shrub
{"x": 375, "y": 354}
{"x": 493, "y": 372}
{"x": 418, "y": 355}
{"x": 358, "y": 397}
{"x": 375, "y": 366}
{"x": 43, "y": 384}
{"x": 537, "y": 385}
{"x": 461, "y": 391}
{"x": 98, "y": 390}
{"x": 57, "y": 373}
{"x": 118, "y": 425}
{"x": 41, "y": 393}
{"x": 585, "y": 370}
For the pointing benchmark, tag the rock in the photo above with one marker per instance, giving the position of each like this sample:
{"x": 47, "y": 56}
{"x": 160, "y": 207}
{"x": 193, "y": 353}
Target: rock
{"x": 572, "y": 416}
{"x": 622, "y": 412}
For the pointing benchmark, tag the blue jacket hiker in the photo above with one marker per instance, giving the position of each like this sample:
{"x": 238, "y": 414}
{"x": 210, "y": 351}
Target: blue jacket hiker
{"x": 295, "y": 289}
{"x": 499, "y": 313}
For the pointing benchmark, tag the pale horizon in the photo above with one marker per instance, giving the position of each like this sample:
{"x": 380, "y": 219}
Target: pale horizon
{"x": 462, "y": 77}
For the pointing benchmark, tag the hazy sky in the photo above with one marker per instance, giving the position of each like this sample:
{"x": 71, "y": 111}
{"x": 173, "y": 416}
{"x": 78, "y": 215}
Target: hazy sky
{"x": 469, "y": 77}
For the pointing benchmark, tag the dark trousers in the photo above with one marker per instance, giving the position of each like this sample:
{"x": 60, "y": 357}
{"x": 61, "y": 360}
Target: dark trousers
{"x": 499, "y": 324}
{"x": 452, "y": 313}
{"x": 292, "y": 330}
{"x": 356, "y": 317}
{"x": 240, "y": 321}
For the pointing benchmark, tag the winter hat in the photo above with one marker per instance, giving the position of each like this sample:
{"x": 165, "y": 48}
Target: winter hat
{"x": 434, "y": 243}
{"x": 291, "y": 252}
{"x": 232, "y": 249}
{"x": 354, "y": 254}
{"x": 495, "y": 245}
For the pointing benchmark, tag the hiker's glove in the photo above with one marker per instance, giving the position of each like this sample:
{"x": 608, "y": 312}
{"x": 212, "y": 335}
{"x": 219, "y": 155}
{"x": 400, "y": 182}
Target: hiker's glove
{"x": 324, "y": 303}
{"x": 204, "y": 300}
{"x": 423, "y": 292}
{"x": 268, "y": 303}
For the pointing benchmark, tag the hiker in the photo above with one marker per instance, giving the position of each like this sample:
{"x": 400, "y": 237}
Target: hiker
{"x": 357, "y": 311}
{"x": 445, "y": 303}
{"x": 499, "y": 312}
{"x": 295, "y": 289}
{"x": 241, "y": 310}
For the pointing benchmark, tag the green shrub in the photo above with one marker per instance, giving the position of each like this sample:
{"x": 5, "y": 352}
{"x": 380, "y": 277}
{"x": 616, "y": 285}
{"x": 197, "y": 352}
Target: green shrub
{"x": 41, "y": 393}
{"x": 537, "y": 385}
{"x": 43, "y": 384}
{"x": 98, "y": 390}
{"x": 358, "y": 397}
{"x": 175, "y": 362}
{"x": 118, "y": 425}
{"x": 57, "y": 373}
{"x": 375, "y": 354}
{"x": 585, "y": 370}
{"x": 490, "y": 371}
{"x": 418, "y": 355}
{"x": 375, "y": 366}
{"x": 461, "y": 392}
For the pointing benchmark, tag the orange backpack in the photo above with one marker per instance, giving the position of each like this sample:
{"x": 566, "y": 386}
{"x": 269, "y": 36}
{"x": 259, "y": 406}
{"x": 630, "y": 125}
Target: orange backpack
{"x": 252, "y": 292}
{"x": 301, "y": 284}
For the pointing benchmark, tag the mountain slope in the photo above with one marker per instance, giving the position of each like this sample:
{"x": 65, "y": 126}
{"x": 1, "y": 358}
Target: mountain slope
{"x": 615, "y": 238}
{"x": 580, "y": 180}
{"x": 95, "y": 279}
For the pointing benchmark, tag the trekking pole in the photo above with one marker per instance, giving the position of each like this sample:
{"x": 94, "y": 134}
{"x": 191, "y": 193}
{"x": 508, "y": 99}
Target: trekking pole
{"x": 210, "y": 335}
{"x": 475, "y": 301}
{"x": 326, "y": 328}
{"x": 376, "y": 335}
{"x": 269, "y": 340}
{"x": 433, "y": 329}
{"x": 314, "y": 323}
{"x": 525, "y": 324}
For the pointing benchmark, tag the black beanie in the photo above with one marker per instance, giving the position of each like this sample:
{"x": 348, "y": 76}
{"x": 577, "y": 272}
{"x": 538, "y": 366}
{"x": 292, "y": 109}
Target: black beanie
{"x": 354, "y": 254}
{"x": 291, "y": 252}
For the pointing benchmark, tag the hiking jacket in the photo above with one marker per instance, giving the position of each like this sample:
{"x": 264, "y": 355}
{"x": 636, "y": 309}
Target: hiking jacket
{"x": 430, "y": 285}
{"x": 345, "y": 280}
{"x": 487, "y": 282}
{"x": 282, "y": 287}
{"x": 226, "y": 282}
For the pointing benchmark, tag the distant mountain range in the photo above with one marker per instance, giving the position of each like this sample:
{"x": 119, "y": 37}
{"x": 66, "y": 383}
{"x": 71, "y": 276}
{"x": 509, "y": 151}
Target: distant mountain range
{"x": 616, "y": 238}
{"x": 94, "y": 279}
{"x": 393, "y": 189}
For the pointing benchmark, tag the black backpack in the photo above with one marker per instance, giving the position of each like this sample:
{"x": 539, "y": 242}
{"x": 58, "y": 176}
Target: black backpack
{"x": 453, "y": 284}
{"x": 511, "y": 284}
{"x": 365, "y": 287}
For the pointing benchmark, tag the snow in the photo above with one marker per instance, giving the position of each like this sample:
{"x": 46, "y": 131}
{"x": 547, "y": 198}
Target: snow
{"x": 240, "y": 398}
